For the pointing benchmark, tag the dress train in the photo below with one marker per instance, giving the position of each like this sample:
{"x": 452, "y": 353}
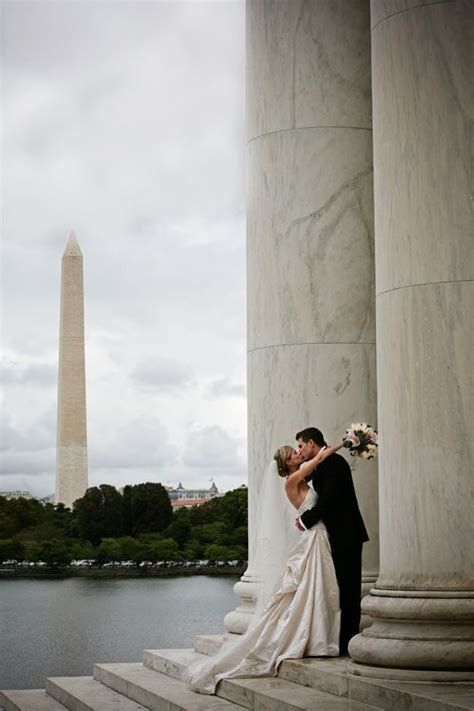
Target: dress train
{"x": 300, "y": 619}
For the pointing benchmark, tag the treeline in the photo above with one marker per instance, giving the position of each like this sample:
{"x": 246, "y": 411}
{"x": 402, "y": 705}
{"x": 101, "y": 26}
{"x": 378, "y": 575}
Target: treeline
{"x": 138, "y": 525}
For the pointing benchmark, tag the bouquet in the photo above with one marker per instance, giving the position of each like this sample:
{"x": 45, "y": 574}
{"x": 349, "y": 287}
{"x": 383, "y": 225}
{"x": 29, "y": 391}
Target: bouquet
{"x": 361, "y": 440}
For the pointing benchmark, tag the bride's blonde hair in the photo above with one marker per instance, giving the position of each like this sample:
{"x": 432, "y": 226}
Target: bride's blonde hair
{"x": 281, "y": 457}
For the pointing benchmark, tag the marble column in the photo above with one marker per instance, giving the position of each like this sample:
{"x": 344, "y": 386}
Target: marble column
{"x": 310, "y": 264}
{"x": 71, "y": 468}
{"x": 423, "y": 602}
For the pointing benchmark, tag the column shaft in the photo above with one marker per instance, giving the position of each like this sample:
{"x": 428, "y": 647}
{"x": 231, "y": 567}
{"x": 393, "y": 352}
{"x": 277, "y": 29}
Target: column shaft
{"x": 423, "y": 603}
{"x": 311, "y": 350}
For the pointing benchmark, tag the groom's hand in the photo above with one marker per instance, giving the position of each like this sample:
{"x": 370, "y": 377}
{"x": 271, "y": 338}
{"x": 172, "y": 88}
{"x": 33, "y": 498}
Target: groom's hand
{"x": 299, "y": 525}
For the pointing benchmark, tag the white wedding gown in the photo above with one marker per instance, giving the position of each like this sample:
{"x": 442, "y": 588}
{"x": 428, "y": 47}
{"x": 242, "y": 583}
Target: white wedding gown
{"x": 300, "y": 619}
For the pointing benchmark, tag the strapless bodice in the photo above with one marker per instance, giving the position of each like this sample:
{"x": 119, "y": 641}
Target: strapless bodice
{"x": 309, "y": 501}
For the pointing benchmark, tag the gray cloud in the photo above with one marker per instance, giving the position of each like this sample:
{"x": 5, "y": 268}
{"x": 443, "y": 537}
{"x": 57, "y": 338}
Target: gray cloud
{"x": 40, "y": 435}
{"x": 33, "y": 374}
{"x": 212, "y": 447}
{"x": 28, "y": 455}
{"x": 142, "y": 442}
{"x": 224, "y": 387}
{"x": 163, "y": 375}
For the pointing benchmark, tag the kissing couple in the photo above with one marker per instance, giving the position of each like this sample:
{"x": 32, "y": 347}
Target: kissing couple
{"x": 309, "y": 598}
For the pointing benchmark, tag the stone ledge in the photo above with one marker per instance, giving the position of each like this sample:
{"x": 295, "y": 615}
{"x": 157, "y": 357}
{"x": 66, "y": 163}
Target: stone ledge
{"x": 330, "y": 675}
{"x": 83, "y": 693}
{"x": 155, "y": 690}
{"x": 29, "y": 700}
{"x": 208, "y": 643}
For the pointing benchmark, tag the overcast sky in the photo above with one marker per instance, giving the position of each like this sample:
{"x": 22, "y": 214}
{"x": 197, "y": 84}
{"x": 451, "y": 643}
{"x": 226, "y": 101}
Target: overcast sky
{"x": 124, "y": 121}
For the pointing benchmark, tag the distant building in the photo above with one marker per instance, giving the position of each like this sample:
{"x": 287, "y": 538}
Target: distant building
{"x": 187, "y": 498}
{"x": 47, "y": 499}
{"x": 16, "y": 495}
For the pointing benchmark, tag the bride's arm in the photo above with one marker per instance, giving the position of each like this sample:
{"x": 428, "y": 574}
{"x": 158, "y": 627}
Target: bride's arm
{"x": 307, "y": 468}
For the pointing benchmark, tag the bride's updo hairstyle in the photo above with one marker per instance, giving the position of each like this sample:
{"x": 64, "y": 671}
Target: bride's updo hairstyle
{"x": 281, "y": 457}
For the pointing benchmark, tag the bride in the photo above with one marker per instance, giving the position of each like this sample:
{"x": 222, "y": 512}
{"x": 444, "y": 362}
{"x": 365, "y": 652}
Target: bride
{"x": 298, "y": 611}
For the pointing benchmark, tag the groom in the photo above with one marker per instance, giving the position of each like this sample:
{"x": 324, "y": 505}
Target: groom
{"x": 337, "y": 507}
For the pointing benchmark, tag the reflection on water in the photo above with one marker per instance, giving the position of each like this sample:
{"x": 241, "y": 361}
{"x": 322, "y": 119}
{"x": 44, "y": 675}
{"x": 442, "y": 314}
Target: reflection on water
{"x": 62, "y": 627}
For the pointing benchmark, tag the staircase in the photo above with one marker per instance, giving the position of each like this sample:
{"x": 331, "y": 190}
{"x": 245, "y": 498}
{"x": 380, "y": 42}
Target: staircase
{"x": 303, "y": 684}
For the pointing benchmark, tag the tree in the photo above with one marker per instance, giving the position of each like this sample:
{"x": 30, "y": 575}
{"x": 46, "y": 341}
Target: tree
{"x": 127, "y": 510}
{"x": 179, "y": 528}
{"x": 18, "y": 514}
{"x": 55, "y": 553}
{"x": 82, "y": 550}
{"x": 164, "y": 549}
{"x": 8, "y": 526}
{"x": 194, "y": 550}
{"x": 231, "y": 509}
{"x": 215, "y": 552}
{"x": 33, "y": 550}
{"x": 239, "y": 536}
{"x": 151, "y": 508}
{"x": 8, "y": 549}
{"x": 99, "y": 513}
{"x": 210, "y": 533}
{"x": 109, "y": 550}
{"x": 131, "y": 549}
{"x": 143, "y": 511}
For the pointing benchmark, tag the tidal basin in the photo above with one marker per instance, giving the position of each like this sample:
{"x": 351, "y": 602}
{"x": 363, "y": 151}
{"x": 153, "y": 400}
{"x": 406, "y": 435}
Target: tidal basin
{"x": 62, "y": 627}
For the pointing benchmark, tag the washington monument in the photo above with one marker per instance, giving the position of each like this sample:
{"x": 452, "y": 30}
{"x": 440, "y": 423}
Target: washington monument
{"x": 71, "y": 468}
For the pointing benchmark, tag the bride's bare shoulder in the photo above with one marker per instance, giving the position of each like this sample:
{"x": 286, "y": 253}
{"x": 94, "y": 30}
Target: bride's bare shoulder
{"x": 296, "y": 492}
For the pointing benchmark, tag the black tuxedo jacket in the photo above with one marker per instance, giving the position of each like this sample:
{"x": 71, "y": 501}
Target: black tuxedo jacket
{"x": 337, "y": 504}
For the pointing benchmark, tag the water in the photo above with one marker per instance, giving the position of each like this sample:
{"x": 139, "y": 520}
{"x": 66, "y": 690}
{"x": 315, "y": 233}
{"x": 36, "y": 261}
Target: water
{"x": 62, "y": 627}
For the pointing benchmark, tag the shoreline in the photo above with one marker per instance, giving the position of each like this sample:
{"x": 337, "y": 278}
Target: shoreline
{"x": 73, "y": 572}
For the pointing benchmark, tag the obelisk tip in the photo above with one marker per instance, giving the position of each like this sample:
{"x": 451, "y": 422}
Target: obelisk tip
{"x": 72, "y": 247}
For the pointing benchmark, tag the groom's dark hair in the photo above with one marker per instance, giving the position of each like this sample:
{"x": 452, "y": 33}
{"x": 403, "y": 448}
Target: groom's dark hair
{"x": 312, "y": 433}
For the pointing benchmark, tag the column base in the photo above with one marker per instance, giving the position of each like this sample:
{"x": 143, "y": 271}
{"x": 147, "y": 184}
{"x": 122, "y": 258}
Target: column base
{"x": 414, "y": 675}
{"x": 368, "y": 581}
{"x": 238, "y": 620}
{"x": 416, "y": 635}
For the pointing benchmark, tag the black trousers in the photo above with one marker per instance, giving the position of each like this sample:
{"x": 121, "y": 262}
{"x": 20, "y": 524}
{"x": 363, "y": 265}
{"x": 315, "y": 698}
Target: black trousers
{"x": 348, "y": 565}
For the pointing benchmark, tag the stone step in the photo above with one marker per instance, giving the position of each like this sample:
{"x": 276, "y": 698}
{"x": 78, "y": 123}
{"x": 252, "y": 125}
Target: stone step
{"x": 264, "y": 693}
{"x": 156, "y": 691}
{"x": 29, "y": 700}
{"x": 208, "y": 643}
{"x": 280, "y": 695}
{"x": 171, "y": 662}
{"x": 331, "y": 675}
{"x": 328, "y": 675}
{"x": 84, "y": 693}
